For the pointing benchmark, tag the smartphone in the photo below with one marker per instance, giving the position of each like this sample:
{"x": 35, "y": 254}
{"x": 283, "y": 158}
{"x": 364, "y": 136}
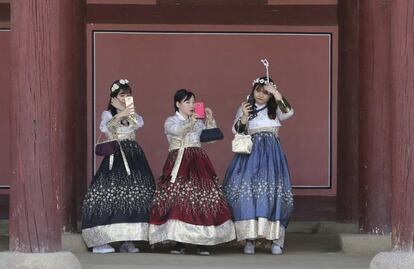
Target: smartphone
{"x": 199, "y": 110}
{"x": 129, "y": 100}
{"x": 252, "y": 102}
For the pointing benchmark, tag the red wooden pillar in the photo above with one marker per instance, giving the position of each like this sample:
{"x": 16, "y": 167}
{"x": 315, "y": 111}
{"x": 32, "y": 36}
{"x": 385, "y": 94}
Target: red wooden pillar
{"x": 46, "y": 84}
{"x": 374, "y": 123}
{"x": 72, "y": 86}
{"x": 402, "y": 85}
{"x": 348, "y": 75}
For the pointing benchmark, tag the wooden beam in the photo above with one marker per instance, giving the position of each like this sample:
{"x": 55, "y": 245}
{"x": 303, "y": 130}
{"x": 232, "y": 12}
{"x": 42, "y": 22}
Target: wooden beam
{"x": 203, "y": 12}
{"x": 211, "y": 3}
{"x": 154, "y": 2}
{"x": 187, "y": 14}
{"x": 123, "y": 2}
{"x": 302, "y": 2}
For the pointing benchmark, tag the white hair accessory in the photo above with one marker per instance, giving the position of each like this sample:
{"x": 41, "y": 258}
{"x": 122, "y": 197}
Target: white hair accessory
{"x": 114, "y": 87}
{"x": 266, "y": 64}
{"x": 123, "y": 81}
{"x": 262, "y": 81}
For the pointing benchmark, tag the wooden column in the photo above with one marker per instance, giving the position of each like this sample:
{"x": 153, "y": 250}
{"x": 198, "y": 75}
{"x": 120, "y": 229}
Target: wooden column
{"x": 73, "y": 86}
{"x": 46, "y": 98}
{"x": 402, "y": 85}
{"x": 348, "y": 77}
{"x": 374, "y": 123}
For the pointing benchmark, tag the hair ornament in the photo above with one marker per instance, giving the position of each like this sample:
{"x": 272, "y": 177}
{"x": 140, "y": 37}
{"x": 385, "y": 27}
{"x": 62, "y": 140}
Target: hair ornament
{"x": 114, "y": 87}
{"x": 123, "y": 81}
{"x": 265, "y": 62}
{"x": 262, "y": 81}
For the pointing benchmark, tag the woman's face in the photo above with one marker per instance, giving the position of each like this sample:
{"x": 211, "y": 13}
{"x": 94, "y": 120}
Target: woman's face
{"x": 121, "y": 96}
{"x": 186, "y": 108}
{"x": 261, "y": 96}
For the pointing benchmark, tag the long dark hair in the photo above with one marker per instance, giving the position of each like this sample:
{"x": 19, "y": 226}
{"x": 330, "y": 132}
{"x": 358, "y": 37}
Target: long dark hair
{"x": 124, "y": 88}
{"x": 182, "y": 95}
{"x": 271, "y": 104}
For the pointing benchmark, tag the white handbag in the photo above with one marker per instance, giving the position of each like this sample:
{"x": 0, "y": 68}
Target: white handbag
{"x": 242, "y": 144}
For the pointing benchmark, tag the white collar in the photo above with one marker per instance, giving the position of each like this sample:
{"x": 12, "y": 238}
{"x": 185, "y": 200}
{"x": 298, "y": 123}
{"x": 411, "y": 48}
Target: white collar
{"x": 178, "y": 114}
{"x": 260, "y": 106}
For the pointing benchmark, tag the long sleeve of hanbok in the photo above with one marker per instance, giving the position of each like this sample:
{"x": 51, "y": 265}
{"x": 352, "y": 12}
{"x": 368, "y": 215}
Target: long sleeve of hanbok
{"x": 106, "y": 121}
{"x": 177, "y": 128}
{"x": 237, "y": 127}
{"x": 110, "y": 125}
{"x": 284, "y": 116}
{"x": 135, "y": 121}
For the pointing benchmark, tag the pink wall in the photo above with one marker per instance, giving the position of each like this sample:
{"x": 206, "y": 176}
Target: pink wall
{"x": 225, "y": 67}
{"x": 219, "y": 67}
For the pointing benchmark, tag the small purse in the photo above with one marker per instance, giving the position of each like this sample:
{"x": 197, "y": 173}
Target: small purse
{"x": 242, "y": 144}
{"x": 213, "y": 134}
{"x": 107, "y": 147}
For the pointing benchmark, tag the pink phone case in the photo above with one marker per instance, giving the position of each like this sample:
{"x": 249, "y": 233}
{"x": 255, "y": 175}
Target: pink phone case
{"x": 199, "y": 110}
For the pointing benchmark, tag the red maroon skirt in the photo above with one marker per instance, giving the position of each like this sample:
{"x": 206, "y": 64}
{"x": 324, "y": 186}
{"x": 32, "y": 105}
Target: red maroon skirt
{"x": 193, "y": 208}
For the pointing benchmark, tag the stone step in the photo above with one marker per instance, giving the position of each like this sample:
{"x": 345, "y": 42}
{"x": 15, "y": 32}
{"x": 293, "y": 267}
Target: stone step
{"x": 302, "y": 235}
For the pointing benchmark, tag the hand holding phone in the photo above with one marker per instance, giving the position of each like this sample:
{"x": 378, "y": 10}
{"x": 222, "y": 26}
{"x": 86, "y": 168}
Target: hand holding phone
{"x": 199, "y": 110}
{"x": 129, "y": 102}
{"x": 252, "y": 103}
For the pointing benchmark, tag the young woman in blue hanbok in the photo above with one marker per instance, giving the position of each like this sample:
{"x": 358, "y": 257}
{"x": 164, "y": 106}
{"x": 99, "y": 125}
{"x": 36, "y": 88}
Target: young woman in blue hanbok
{"x": 257, "y": 185}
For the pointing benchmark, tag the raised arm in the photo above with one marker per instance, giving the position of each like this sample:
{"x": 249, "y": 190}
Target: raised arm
{"x": 284, "y": 109}
{"x": 178, "y": 128}
{"x": 135, "y": 121}
{"x": 241, "y": 119}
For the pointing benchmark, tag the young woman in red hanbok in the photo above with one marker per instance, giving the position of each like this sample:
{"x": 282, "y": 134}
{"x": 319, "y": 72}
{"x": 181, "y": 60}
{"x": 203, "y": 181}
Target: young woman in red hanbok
{"x": 189, "y": 206}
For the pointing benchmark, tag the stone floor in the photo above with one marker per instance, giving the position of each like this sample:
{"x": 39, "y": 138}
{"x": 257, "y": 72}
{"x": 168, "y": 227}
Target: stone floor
{"x": 303, "y": 250}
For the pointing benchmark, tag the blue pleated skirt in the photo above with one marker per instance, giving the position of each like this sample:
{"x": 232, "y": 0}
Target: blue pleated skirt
{"x": 258, "y": 189}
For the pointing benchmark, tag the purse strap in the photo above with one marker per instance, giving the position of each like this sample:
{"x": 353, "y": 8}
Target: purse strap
{"x": 99, "y": 138}
{"x": 252, "y": 116}
{"x": 111, "y": 157}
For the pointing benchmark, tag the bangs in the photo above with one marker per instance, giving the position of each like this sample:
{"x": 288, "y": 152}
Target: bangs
{"x": 259, "y": 88}
{"x": 126, "y": 90}
{"x": 188, "y": 96}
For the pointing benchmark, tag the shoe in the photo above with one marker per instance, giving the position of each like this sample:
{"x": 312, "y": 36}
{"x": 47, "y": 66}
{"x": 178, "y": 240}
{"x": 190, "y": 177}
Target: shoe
{"x": 276, "y": 249}
{"x": 202, "y": 250}
{"x": 179, "y": 249}
{"x": 249, "y": 247}
{"x": 128, "y": 247}
{"x": 102, "y": 249}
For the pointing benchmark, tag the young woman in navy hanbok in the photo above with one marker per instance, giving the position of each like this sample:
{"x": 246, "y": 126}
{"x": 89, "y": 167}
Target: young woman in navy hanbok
{"x": 116, "y": 205}
{"x": 257, "y": 185}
